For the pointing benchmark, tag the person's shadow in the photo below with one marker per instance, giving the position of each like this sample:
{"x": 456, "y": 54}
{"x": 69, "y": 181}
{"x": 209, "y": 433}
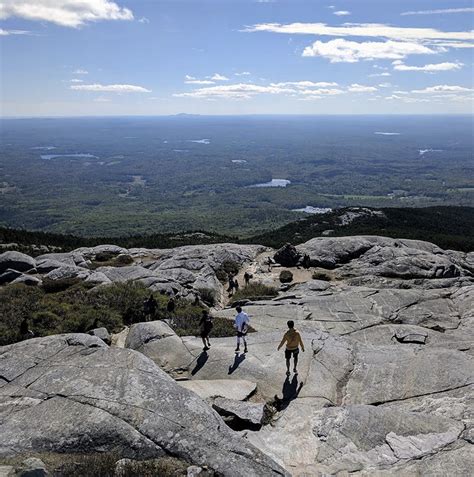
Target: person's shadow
{"x": 200, "y": 362}
{"x": 237, "y": 360}
{"x": 290, "y": 391}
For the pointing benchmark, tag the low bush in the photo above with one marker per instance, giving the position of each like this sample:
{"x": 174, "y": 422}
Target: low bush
{"x": 322, "y": 276}
{"x": 79, "y": 309}
{"x": 187, "y": 326}
{"x": 228, "y": 267}
{"x": 208, "y": 296}
{"x": 254, "y": 291}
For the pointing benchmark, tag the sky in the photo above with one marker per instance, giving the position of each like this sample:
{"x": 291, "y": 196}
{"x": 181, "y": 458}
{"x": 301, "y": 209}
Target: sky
{"x": 153, "y": 57}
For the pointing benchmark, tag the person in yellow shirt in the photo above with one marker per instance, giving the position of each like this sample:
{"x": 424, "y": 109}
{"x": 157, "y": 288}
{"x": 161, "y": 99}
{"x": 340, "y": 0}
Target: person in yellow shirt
{"x": 293, "y": 341}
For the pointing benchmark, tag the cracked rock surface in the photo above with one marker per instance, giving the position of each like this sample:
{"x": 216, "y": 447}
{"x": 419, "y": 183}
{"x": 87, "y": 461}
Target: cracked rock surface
{"x": 385, "y": 386}
{"x": 74, "y": 393}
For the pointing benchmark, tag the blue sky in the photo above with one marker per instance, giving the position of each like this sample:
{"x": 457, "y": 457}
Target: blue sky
{"x": 152, "y": 57}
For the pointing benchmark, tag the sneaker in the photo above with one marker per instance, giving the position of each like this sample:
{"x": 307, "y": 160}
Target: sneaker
{"x": 287, "y": 373}
{"x": 237, "y": 349}
{"x": 245, "y": 350}
{"x": 205, "y": 348}
{"x": 295, "y": 371}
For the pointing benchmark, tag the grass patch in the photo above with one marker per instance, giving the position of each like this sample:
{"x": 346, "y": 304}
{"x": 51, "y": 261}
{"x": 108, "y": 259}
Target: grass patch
{"x": 254, "y": 291}
{"x": 317, "y": 275}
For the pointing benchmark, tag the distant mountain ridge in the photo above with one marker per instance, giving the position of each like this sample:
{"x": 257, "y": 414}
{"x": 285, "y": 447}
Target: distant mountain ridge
{"x": 448, "y": 227}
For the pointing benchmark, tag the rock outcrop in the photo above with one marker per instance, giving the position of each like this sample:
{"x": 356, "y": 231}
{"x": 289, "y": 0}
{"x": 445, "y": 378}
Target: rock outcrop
{"x": 73, "y": 393}
{"x": 385, "y": 385}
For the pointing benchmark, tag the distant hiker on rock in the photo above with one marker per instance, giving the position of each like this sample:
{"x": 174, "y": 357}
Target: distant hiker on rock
{"x": 206, "y": 327}
{"x": 25, "y": 332}
{"x": 149, "y": 307}
{"x": 306, "y": 261}
{"x": 230, "y": 289}
{"x": 293, "y": 341}
{"x": 241, "y": 324}
{"x": 247, "y": 277}
{"x": 170, "y": 307}
{"x": 236, "y": 285}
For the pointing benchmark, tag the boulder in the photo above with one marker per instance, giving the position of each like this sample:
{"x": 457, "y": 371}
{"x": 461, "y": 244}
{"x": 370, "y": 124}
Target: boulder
{"x": 16, "y": 261}
{"x": 287, "y": 256}
{"x": 9, "y": 275}
{"x": 159, "y": 342}
{"x": 72, "y": 393}
{"x": 243, "y": 414}
{"x": 238, "y": 389}
{"x": 102, "y": 334}
{"x": 32, "y": 467}
{"x": 29, "y": 280}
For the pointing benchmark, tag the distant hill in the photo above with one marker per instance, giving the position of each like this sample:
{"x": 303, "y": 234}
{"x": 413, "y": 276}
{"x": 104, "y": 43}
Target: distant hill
{"x": 447, "y": 227}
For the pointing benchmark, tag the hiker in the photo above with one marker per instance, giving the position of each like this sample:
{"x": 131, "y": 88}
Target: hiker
{"x": 293, "y": 341}
{"x": 236, "y": 285}
{"x": 230, "y": 290}
{"x": 306, "y": 261}
{"x": 206, "y": 327}
{"x": 247, "y": 277}
{"x": 171, "y": 306}
{"x": 25, "y": 332}
{"x": 149, "y": 307}
{"x": 241, "y": 324}
{"x": 269, "y": 263}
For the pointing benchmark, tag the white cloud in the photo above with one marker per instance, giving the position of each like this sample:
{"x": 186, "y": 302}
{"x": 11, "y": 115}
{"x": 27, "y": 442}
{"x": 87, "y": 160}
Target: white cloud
{"x": 198, "y": 81}
{"x": 443, "y": 88}
{"x": 143, "y": 20}
{"x": 233, "y": 91}
{"x": 218, "y": 77}
{"x": 341, "y": 50}
{"x": 341, "y": 13}
{"x": 385, "y": 85}
{"x": 13, "y": 32}
{"x": 304, "y": 84}
{"x": 431, "y": 68}
{"x": 373, "y": 30}
{"x": 110, "y": 88}
{"x": 68, "y": 13}
{"x": 322, "y": 92}
{"x": 377, "y": 75}
{"x": 80, "y": 72}
{"x": 243, "y": 73}
{"x": 75, "y": 80}
{"x": 359, "y": 88}
{"x": 441, "y": 10}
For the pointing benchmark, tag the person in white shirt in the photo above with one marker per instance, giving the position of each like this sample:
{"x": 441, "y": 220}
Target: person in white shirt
{"x": 241, "y": 324}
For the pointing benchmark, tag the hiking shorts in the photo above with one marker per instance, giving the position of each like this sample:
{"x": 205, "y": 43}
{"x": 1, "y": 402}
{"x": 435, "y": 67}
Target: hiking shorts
{"x": 290, "y": 352}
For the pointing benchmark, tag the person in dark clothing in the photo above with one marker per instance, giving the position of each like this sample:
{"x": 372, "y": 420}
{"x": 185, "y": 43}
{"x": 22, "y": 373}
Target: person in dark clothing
{"x": 236, "y": 285}
{"x": 25, "y": 332}
{"x": 247, "y": 277}
{"x": 149, "y": 307}
{"x": 231, "y": 288}
{"x": 206, "y": 327}
{"x": 170, "y": 307}
{"x": 306, "y": 261}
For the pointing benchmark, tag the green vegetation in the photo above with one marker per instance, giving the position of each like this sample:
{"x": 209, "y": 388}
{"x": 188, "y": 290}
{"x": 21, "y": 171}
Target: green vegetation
{"x": 447, "y": 227}
{"x": 158, "y": 181}
{"x": 254, "y": 291}
{"x": 79, "y": 308}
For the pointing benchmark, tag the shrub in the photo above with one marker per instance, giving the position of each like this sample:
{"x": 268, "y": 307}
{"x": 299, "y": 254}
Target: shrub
{"x": 254, "y": 291}
{"x": 228, "y": 267}
{"x": 222, "y": 327}
{"x": 286, "y": 276}
{"x": 208, "y": 296}
{"x": 322, "y": 276}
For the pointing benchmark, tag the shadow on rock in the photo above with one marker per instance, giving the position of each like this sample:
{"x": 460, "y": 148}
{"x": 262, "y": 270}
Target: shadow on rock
{"x": 200, "y": 362}
{"x": 237, "y": 360}
{"x": 290, "y": 391}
